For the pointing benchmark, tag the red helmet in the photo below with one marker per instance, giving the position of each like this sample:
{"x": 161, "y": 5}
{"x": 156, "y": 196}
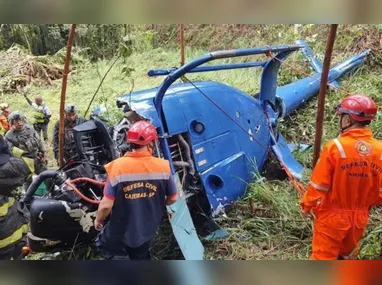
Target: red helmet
{"x": 359, "y": 106}
{"x": 142, "y": 133}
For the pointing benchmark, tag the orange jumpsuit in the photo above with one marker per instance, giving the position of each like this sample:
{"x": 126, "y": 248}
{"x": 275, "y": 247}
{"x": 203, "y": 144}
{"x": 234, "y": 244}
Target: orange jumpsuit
{"x": 358, "y": 272}
{"x": 344, "y": 185}
{"x": 4, "y": 125}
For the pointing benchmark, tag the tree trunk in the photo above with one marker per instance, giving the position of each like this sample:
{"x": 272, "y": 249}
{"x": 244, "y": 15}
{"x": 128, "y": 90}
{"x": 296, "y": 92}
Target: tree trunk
{"x": 42, "y": 38}
{"x": 26, "y": 38}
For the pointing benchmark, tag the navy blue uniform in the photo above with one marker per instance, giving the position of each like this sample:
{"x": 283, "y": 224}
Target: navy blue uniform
{"x": 138, "y": 183}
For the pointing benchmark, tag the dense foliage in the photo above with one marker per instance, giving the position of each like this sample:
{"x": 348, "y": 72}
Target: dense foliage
{"x": 266, "y": 223}
{"x": 104, "y": 41}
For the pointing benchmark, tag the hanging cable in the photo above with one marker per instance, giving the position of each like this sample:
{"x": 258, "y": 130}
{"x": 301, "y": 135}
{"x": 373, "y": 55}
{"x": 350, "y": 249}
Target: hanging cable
{"x": 100, "y": 84}
{"x": 298, "y": 186}
{"x": 225, "y": 113}
{"x": 269, "y": 54}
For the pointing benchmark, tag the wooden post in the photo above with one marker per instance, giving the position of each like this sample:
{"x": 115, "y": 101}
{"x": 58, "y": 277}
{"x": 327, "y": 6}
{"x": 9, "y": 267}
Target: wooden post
{"x": 322, "y": 94}
{"x": 63, "y": 93}
{"x": 182, "y": 59}
{"x": 155, "y": 43}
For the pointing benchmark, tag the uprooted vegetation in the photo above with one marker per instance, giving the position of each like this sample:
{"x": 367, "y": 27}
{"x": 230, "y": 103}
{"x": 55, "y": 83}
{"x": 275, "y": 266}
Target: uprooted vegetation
{"x": 18, "y": 69}
{"x": 266, "y": 223}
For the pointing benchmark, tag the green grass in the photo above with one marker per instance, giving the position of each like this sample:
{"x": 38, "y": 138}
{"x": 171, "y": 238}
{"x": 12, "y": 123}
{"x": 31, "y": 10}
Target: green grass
{"x": 276, "y": 230}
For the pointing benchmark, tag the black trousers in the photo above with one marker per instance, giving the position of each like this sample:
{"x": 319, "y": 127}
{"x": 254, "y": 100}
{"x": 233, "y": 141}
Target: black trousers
{"x": 126, "y": 253}
{"x": 13, "y": 251}
{"x": 41, "y": 128}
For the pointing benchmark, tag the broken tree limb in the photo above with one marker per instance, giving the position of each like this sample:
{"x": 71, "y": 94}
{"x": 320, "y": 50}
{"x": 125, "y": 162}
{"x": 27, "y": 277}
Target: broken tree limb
{"x": 63, "y": 94}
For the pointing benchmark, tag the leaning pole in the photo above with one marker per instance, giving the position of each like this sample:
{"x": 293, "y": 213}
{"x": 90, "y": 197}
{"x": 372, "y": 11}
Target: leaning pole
{"x": 63, "y": 94}
{"x": 322, "y": 94}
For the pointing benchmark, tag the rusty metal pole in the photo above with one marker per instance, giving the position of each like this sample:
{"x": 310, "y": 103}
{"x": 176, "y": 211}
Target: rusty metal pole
{"x": 182, "y": 44}
{"x": 322, "y": 94}
{"x": 63, "y": 93}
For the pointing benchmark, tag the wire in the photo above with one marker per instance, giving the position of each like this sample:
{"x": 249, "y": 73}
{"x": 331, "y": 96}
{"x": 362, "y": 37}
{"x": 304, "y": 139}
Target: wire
{"x": 78, "y": 192}
{"x": 85, "y": 179}
{"x": 240, "y": 126}
{"x": 341, "y": 89}
{"x": 99, "y": 86}
{"x": 298, "y": 186}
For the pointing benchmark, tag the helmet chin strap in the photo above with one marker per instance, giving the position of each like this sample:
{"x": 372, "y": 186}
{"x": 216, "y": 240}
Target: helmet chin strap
{"x": 344, "y": 129}
{"x": 150, "y": 148}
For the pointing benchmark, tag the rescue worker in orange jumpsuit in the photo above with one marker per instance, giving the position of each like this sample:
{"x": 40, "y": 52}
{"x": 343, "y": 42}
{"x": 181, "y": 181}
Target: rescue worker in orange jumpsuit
{"x": 346, "y": 182}
{"x": 4, "y": 116}
{"x": 138, "y": 188}
{"x": 357, "y": 273}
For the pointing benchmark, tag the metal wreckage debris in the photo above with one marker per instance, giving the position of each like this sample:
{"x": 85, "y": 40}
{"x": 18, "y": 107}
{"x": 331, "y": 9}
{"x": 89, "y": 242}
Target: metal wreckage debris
{"x": 214, "y": 135}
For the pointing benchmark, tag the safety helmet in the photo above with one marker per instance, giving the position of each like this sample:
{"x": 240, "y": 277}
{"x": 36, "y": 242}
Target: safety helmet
{"x": 70, "y": 108}
{"x": 3, "y": 106}
{"x": 142, "y": 133}
{"x": 358, "y": 106}
{"x": 15, "y": 115}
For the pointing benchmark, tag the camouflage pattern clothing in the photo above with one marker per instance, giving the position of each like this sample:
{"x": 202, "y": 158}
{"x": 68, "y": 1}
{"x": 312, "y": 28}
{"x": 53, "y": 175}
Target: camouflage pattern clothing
{"x": 69, "y": 144}
{"x": 28, "y": 140}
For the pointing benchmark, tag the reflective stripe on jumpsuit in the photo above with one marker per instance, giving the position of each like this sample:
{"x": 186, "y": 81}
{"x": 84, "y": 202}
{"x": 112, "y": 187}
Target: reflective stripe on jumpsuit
{"x": 347, "y": 181}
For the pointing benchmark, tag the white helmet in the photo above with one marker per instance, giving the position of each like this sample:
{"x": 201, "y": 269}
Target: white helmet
{"x": 3, "y": 106}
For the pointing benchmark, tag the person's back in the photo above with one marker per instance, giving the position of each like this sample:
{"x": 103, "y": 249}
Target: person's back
{"x": 138, "y": 188}
{"x": 356, "y": 163}
{"x": 140, "y": 197}
{"x": 13, "y": 217}
{"x": 346, "y": 182}
{"x": 13, "y": 174}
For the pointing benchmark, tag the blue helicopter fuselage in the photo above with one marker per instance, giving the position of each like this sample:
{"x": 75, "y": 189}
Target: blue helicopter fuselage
{"x": 225, "y": 156}
{"x": 229, "y": 132}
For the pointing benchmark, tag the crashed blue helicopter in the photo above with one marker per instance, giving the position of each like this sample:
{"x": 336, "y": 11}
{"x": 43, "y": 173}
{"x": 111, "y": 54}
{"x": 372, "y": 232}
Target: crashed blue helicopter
{"x": 214, "y": 135}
